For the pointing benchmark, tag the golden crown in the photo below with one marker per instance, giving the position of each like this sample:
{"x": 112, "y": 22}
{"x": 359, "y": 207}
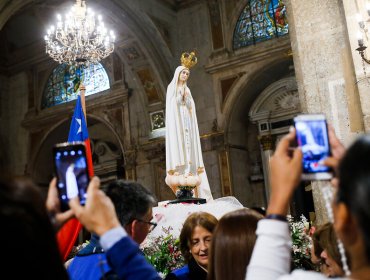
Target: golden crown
{"x": 188, "y": 59}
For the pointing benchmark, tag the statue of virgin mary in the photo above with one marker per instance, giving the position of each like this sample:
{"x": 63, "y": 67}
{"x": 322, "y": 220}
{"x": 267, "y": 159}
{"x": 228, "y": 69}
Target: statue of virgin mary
{"x": 184, "y": 160}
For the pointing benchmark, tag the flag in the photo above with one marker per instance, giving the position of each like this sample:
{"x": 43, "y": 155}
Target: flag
{"x": 68, "y": 234}
{"x": 78, "y": 132}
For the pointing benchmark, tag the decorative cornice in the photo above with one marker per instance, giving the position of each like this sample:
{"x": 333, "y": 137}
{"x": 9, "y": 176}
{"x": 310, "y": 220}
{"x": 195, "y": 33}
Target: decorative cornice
{"x": 249, "y": 55}
{"x": 130, "y": 159}
{"x": 114, "y": 97}
{"x": 267, "y": 142}
{"x": 155, "y": 150}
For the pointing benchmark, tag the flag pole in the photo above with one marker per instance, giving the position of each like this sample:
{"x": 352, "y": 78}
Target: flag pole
{"x": 83, "y": 103}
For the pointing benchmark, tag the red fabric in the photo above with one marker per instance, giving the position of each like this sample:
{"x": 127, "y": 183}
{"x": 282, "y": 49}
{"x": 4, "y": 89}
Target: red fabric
{"x": 67, "y": 237}
{"x": 89, "y": 158}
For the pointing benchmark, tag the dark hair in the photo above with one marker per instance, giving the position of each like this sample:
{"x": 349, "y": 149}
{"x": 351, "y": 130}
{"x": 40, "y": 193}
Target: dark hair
{"x": 325, "y": 238}
{"x": 232, "y": 244}
{"x": 316, "y": 243}
{"x": 260, "y": 210}
{"x": 354, "y": 185}
{"x": 28, "y": 239}
{"x": 202, "y": 219}
{"x": 131, "y": 200}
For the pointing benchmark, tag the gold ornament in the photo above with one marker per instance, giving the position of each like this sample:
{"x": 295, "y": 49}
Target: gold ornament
{"x": 188, "y": 59}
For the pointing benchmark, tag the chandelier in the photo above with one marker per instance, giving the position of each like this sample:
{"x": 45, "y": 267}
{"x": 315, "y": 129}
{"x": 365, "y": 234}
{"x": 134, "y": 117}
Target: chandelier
{"x": 80, "y": 39}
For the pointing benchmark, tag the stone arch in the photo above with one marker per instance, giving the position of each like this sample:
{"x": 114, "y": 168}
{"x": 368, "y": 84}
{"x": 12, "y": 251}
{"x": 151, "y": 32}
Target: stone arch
{"x": 12, "y": 7}
{"x": 107, "y": 149}
{"x": 278, "y": 101}
{"x": 232, "y": 24}
{"x": 249, "y": 87}
{"x": 241, "y": 135}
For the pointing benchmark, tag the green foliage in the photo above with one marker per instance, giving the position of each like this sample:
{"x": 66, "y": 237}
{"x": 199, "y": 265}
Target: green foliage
{"x": 301, "y": 243}
{"x": 163, "y": 252}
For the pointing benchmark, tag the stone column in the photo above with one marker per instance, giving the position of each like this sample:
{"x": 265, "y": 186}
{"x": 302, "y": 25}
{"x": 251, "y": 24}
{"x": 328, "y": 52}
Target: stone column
{"x": 267, "y": 149}
{"x": 324, "y": 70}
{"x": 323, "y": 63}
{"x": 130, "y": 164}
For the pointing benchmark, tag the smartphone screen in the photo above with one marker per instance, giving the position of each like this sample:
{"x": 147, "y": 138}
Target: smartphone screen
{"x": 71, "y": 171}
{"x": 312, "y": 137}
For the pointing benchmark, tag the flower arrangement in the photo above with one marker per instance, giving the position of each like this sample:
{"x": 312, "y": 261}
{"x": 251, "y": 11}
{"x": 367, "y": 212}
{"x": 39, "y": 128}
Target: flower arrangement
{"x": 163, "y": 252}
{"x": 300, "y": 231}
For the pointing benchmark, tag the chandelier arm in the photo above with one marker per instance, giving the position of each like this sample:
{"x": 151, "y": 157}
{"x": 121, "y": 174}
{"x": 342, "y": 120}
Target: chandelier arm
{"x": 362, "y": 53}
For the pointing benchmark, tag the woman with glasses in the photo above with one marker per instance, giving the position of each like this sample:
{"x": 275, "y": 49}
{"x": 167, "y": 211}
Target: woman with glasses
{"x": 195, "y": 240}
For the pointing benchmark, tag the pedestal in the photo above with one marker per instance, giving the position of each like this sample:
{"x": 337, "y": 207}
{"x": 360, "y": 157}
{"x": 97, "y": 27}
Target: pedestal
{"x": 185, "y": 195}
{"x": 192, "y": 200}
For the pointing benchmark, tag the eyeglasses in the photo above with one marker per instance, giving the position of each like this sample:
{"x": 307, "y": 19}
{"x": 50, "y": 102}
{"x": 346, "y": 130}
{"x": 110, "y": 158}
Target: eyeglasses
{"x": 152, "y": 224}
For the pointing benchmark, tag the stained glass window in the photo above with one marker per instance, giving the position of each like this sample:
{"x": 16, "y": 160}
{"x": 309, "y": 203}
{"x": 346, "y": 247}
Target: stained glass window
{"x": 259, "y": 21}
{"x": 63, "y": 83}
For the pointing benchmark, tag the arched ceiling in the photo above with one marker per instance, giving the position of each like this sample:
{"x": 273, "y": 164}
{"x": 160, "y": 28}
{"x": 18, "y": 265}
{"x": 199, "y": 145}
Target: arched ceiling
{"x": 23, "y": 24}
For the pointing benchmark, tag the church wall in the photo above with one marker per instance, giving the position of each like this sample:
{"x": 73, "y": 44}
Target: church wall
{"x": 193, "y": 34}
{"x": 4, "y": 125}
{"x": 211, "y": 163}
{"x": 240, "y": 172}
{"x": 145, "y": 175}
{"x": 15, "y": 107}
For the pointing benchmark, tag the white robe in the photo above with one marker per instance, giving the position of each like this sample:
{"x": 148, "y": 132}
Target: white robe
{"x": 183, "y": 150}
{"x": 71, "y": 182}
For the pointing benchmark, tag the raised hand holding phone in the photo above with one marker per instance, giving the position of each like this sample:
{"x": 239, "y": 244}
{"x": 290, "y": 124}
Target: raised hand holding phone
{"x": 312, "y": 138}
{"x": 99, "y": 215}
{"x": 58, "y": 218}
{"x": 71, "y": 171}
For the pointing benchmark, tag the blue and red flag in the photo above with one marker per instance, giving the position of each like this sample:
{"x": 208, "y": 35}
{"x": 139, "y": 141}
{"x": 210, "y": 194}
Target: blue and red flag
{"x": 68, "y": 234}
{"x": 78, "y": 132}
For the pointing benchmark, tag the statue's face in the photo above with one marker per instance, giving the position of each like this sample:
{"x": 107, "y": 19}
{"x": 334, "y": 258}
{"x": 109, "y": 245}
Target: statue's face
{"x": 184, "y": 75}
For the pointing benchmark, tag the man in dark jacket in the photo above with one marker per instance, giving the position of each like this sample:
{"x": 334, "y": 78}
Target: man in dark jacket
{"x": 133, "y": 204}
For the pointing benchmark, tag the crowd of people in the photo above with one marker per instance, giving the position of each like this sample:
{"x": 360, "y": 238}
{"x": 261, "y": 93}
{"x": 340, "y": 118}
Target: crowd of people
{"x": 243, "y": 244}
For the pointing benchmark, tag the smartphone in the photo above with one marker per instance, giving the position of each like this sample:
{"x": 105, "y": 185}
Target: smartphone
{"x": 71, "y": 170}
{"x": 312, "y": 137}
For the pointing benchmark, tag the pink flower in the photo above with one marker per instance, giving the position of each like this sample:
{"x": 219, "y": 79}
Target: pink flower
{"x": 312, "y": 230}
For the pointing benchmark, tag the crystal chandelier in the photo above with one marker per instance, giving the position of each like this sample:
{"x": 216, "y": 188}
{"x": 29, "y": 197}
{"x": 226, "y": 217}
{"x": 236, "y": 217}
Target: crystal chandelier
{"x": 79, "y": 40}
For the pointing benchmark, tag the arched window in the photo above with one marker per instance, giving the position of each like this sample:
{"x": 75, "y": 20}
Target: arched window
{"x": 63, "y": 83}
{"x": 259, "y": 21}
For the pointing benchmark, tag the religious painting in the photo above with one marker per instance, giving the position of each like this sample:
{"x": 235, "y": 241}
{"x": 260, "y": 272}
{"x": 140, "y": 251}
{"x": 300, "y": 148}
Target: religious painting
{"x": 131, "y": 53}
{"x": 157, "y": 120}
{"x": 149, "y": 85}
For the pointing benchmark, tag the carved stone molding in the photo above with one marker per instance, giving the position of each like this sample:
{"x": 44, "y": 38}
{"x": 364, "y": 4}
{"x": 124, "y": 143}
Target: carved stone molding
{"x": 104, "y": 151}
{"x": 267, "y": 142}
{"x": 155, "y": 150}
{"x": 212, "y": 141}
{"x": 36, "y": 120}
{"x": 130, "y": 159}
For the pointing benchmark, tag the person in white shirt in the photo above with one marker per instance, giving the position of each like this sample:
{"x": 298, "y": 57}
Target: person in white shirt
{"x": 271, "y": 255}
